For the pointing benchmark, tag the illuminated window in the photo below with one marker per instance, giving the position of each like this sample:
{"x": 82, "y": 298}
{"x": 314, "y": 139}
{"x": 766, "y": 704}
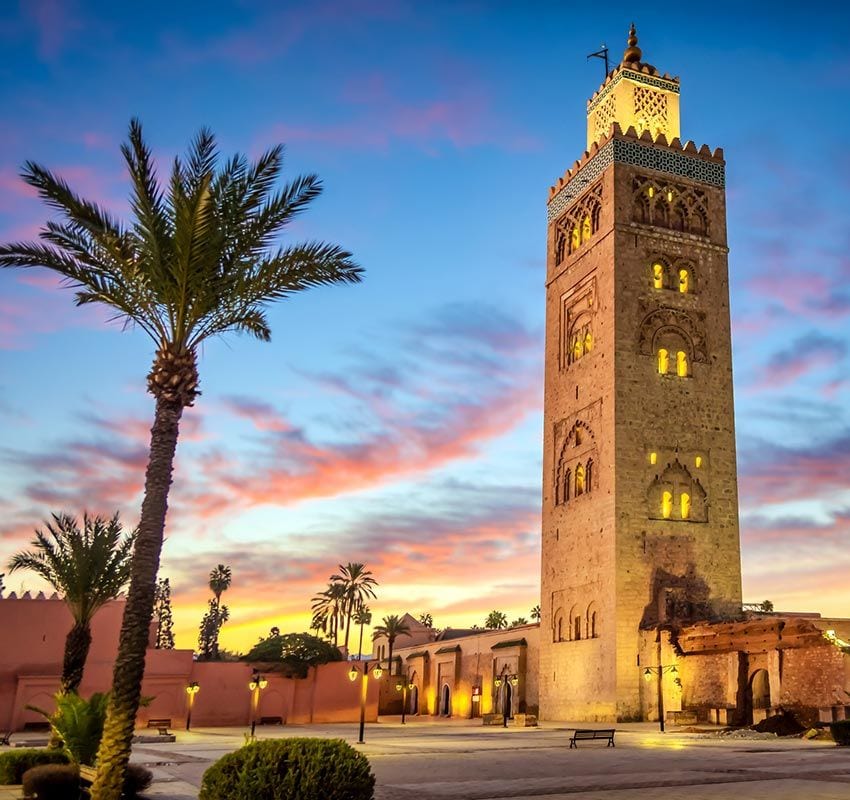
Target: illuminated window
{"x": 698, "y": 462}
{"x": 669, "y": 195}
{"x": 580, "y": 480}
{"x": 684, "y": 281}
{"x": 575, "y": 238}
{"x": 663, "y": 361}
{"x": 682, "y": 364}
{"x": 653, "y": 457}
{"x": 650, "y": 192}
{"x": 586, "y": 229}
{"x": 588, "y": 342}
{"x": 666, "y": 504}
{"x": 658, "y": 276}
{"x": 685, "y": 505}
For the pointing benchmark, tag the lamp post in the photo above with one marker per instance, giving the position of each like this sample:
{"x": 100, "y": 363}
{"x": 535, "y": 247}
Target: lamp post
{"x": 257, "y": 683}
{"x": 191, "y": 690}
{"x": 514, "y": 682}
{"x": 364, "y": 686}
{"x": 648, "y": 672}
{"x": 403, "y": 686}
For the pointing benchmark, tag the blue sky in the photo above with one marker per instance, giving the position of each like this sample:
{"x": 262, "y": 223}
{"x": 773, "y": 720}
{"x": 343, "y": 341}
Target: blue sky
{"x": 399, "y": 421}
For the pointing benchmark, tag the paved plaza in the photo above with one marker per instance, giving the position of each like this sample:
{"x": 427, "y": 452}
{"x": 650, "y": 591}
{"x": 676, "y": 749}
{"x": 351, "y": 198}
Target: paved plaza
{"x": 454, "y": 760}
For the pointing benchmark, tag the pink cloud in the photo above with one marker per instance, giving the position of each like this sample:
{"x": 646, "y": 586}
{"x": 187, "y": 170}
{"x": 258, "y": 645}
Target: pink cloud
{"x": 805, "y": 355}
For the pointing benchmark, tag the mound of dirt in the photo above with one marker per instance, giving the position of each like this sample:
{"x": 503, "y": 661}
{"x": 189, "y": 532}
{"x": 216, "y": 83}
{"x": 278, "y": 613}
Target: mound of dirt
{"x": 782, "y": 724}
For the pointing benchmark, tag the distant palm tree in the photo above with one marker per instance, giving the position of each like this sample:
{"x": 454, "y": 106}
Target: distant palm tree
{"x": 496, "y": 620}
{"x": 362, "y": 617}
{"x": 519, "y": 621}
{"x": 426, "y": 619}
{"x": 220, "y": 579}
{"x": 88, "y": 568}
{"x": 200, "y": 258}
{"x": 359, "y": 585}
{"x": 392, "y": 628}
{"x": 535, "y": 613}
{"x": 329, "y": 605}
{"x": 219, "y": 582}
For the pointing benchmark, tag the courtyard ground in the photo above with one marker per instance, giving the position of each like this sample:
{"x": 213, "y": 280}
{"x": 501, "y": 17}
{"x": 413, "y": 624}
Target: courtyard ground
{"x": 454, "y": 760}
{"x": 463, "y": 761}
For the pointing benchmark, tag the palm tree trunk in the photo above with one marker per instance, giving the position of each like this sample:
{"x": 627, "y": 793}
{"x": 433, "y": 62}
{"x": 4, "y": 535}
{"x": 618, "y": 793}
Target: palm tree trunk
{"x": 77, "y": 645}
{"x": 360, "y": 646}
{"x": 348, "y": 609}
{"x": 114, "y": 751}
{"x": 390, "y": 665}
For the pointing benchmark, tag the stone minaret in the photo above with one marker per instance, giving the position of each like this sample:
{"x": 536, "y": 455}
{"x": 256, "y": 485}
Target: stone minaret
{"x": 640, "y": 498}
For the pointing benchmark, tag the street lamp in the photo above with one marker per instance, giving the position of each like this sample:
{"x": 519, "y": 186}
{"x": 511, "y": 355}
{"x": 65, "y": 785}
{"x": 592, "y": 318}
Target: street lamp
{"x": 403, "y": 686}
{"x": 364, "y": 685}
{"x": 257, "y": 683}
{"x": 648, "y": 672}
{"x": 514, "y": 682}
{"x": 191, "y": 690}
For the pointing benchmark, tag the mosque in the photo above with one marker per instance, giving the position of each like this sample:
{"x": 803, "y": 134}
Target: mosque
{"x": 641, "y": 606}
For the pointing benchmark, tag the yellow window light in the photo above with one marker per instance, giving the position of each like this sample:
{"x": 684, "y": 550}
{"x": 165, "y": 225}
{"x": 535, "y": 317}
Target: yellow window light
{"x": 653, "y": 457}
{"x": 666, "y": 504}
{"x": 663, "y": 361}
{"x": 682, "y": 364}
{"x": 658, "y": 276}
{"x": 698, "y": 462}
{"x": 684, "y": 281}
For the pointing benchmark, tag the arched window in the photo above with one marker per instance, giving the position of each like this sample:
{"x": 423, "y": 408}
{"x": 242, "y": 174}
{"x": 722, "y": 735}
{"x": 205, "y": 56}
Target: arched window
{"x": 666, "y": 504}
{"x": 588, "y": 342}
{"x": 685, "y": 505}
{"x": 684, "y": 281}
{"x": 568, "y": 477}
{"x": 577, "y": 627}
{"x": 592, "y": 624}
{"x": 580, "y": 478}
{"x": 578, "y": 347}
{"x": 579, "y": 436}
{"x": 575, "y": 239}
{"x": 682, "y": 364}
{"x": 663, "y": 361}
{"x": 657, "y": 276}
{"x": 588, "y": 474}
{"x": 586, "y": 229}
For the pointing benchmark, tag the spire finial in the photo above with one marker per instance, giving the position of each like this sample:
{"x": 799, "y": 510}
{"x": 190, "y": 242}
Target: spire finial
{"x": 632, "y": 54}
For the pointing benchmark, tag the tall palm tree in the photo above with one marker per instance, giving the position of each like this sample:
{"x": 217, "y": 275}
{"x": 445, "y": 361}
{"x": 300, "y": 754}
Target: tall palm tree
{"x": 362, "y": 617}
{"x": 330, "y": 605}
{"x": 220, "y": 579}
{"x": 199, "y": 259}
{"x": 535, "y": 613}
{"x": 496, "y": 620}
{"x": 392, "y": 628}
{"x": 358, "y": 583}
{"x": 88, "y": 567}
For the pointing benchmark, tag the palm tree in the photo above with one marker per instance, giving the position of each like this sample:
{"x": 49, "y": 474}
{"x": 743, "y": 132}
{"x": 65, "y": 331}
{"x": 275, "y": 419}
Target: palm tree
{"x": 220, "y": 579}
{"x": 518, "y": 621}
{"x": 89, "y": 567}
{"x": 535, "y": 613}
{"x": 329, "y": 605}
{"x": 362, "y": 617}
{"x": 198, "y": 260}
{"x": 358, "y": 583}
{"x": 496, "y": 620}
{"x": 426, "y": 619}
{"x": 392, "y": 628}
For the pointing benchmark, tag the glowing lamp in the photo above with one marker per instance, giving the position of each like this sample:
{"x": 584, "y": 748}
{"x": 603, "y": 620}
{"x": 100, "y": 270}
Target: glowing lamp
{"x": 263, "y": 683}
{"x": 399, "y": 686}
{"x": 514, "y": 680}
{"x": 377, "y": 672}
{"x": 352, "y": 674}
{"x": 647, "y": 674}
{"x": 193, "y": 688}
{"x": 411, "y": 686}
{"x": 497, "y": 683}
{"x": 253, "y": 685}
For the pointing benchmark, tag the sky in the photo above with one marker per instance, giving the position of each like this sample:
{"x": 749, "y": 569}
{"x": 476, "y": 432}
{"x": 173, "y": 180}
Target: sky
{"x": 398, "y": 422}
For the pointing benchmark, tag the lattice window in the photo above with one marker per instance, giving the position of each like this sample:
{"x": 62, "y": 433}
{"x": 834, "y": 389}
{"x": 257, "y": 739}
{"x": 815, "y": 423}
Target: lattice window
{"x": 650, "y": 111}
{"x": 578, "y": 226}
{"x": 575, "y": 473}
{"x": 606, "y": 113}
{"x": 670, "y": 205}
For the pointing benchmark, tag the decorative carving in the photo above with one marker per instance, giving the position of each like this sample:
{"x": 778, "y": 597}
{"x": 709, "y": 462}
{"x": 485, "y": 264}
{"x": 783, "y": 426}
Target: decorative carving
{"x": 578, "y": 309}
{"x": 576, "y": 227}
{"x": 665, "y": 323}
{"x": 650, "y": 111}
{"x": 575, "y": 473}
{"x": 605, "y": 114}
{"x": 670, "y": 205}
{"x": 676, "y": 495}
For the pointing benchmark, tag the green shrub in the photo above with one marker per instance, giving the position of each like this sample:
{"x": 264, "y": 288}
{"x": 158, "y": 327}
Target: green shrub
{"x": 78, "y": 723}
{"x": 841, "y": 731}
{"x": 14, "y": 763}
{"x": 290, "y": 769}
{"x": 136, "y": 779}
{"x": 52, "y": 782}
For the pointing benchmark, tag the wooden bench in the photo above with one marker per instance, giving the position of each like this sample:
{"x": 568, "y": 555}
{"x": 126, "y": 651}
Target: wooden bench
{"x": 271, "y": 720}
{"x": 161, "y": 725}
{"x": 592, "y": 733}
{"x": 36, "y": 727}
{"x": 6, "y": 738}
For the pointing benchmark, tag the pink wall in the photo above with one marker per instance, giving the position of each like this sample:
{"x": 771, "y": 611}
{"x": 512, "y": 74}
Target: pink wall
{"x": 32, "y": 642}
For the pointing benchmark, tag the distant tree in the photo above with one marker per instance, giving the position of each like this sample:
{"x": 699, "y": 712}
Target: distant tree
{"x": 496, "y": 620}
{"x": 162, "y": 613}
{"x": 217, "y": 614}
{"x": 88, "y": 567}
{"x": 329, "y": 609}
{"x": 519, "y": 621}
{"x": 362, "y": 617}
{"x": 296, "y": 651}
{"x": 392, "y": 628}
{"x": 275, "y": 631}
{"x": 426, "y": 619}
{"x": 359, "y": 585}
{"x": 767, "y": 605}
{"x": 535, "y": 613}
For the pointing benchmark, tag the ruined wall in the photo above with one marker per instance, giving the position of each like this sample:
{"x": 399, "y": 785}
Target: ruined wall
{"x": 814, "y": 677}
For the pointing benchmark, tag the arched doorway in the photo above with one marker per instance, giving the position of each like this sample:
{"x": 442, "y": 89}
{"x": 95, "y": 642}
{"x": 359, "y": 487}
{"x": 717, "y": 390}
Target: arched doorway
{"x": 413, "y": 701}
{"x": 446, "y": 701}
{"x": 507, "y": 700}
{"x": 760, "y": 689}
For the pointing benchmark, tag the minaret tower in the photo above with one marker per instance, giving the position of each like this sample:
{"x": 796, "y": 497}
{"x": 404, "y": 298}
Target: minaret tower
{"x": 640, "y": 498}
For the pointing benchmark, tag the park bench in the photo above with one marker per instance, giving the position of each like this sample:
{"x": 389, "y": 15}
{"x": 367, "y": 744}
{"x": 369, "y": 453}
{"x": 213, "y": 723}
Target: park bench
{"x": 161, "y": 725}
{"x": 6, "y": 738}
{"x": 36, "y": 727}
{"x": 592, "y": 733}
{"x": 271, "y": 720}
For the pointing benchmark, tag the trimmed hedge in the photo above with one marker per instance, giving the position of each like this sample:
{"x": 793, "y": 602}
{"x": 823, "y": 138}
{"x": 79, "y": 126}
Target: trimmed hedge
{"x": 52, "y": 782}
{"x": 14, "y": 763}
{"x": 840, "y": 732}
{"x": 290, "y": 769}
